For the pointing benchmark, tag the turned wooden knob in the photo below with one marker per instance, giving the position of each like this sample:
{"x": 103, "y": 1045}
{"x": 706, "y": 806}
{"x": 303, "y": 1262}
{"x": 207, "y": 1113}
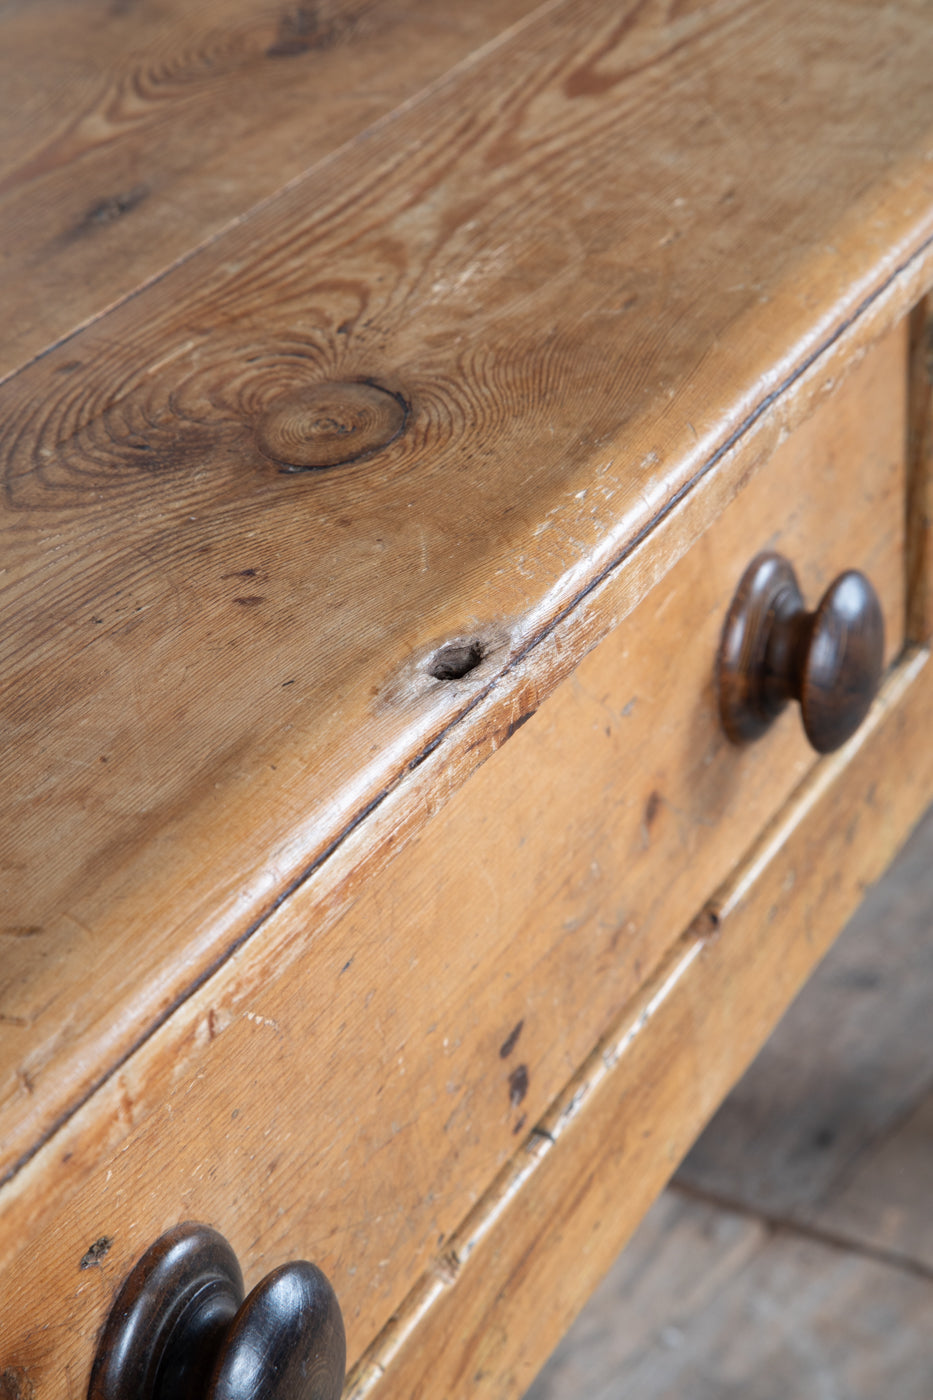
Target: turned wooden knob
{"x": 180, "y": 1330}
{"x": 773, "y": 650}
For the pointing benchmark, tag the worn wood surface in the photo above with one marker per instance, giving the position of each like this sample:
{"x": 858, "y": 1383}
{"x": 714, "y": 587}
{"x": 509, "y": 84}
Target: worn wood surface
{"x": 798, "y": 1125}
{"x": 679, "y": 797}
{"x": 798, "y": 1253}
{"x": 708, "y": 1304}
{"x": 840, "y": 1091}
{"x": 438, "y": 1018}
{"x": 512, "y": 1278}
{"x": 130, "y": 134}
{"x": 193, "y": 727}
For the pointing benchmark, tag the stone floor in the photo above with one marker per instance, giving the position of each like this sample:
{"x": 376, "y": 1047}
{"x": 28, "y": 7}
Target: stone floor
{"x": 792, "y": 1256}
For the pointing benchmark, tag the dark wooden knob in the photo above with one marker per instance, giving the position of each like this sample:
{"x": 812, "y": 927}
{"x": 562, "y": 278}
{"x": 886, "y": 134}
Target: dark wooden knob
{"x": 180, "y": 1330}
{"x": 773, "y": 650}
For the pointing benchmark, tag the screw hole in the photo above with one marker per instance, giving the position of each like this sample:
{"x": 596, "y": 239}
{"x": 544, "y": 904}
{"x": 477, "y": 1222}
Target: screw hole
{"x": 454, "y": 660}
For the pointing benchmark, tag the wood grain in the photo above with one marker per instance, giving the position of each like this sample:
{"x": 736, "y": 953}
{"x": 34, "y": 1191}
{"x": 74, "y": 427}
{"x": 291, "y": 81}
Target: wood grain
{"x": 514, "y": 1275}
{"x": 428, "y": 1016}
{"x": 797, "y": 1234}
{"x": 215, "y": 673}
{"x": 842, "y": 1083}
{"x": 130, "y": 134}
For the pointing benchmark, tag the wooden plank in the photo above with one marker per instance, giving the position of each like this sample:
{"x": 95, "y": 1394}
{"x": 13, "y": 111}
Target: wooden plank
{"x": 849, "y": 1063}
{"x": 141, "y": 130}
{"x": 186, "y": 711}
{"x": 440, "y": 1015}
{"x": 707, "y": 1303}
{"x": 508, "y": 1284}
{"x": 885, "y": 1202}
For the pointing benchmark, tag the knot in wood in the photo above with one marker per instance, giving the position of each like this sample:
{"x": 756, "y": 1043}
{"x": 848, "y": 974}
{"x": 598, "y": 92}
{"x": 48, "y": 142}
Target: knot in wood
{"x": 326, "y": 425}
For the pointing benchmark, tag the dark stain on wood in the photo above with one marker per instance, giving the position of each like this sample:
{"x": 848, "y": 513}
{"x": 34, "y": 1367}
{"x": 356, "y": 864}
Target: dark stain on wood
{"x": 300, "y": 30}
{"x": 517, "y": 723}
{"x": 95, "y": 1252}
{"x": 15, "y": 1384}
{"x": 518, "y": 1084}
{"x": 652, "y": 807}
{"x": 250, "y": 601}
{"x": 110, "y": 210}
{"x": 510, "y": 1042}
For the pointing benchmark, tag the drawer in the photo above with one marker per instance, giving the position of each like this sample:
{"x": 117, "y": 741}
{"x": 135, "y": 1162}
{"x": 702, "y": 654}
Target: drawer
{"x": 345, "y": 1090}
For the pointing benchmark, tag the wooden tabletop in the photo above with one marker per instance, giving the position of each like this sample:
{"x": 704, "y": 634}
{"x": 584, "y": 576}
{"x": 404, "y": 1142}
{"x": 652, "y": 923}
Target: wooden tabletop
{"x": 528, "y": 280}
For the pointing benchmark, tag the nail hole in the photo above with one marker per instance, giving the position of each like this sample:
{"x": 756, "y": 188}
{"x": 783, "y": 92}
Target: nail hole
{"x": 454, "y": 660}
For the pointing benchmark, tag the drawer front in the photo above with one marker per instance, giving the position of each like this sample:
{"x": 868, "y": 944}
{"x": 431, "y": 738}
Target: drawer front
{"x": 345, "y": 1093}
{"x": 527, "y": 1258}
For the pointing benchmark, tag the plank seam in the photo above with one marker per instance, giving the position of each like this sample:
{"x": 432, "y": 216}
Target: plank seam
{"x": 839, "y": 1241}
